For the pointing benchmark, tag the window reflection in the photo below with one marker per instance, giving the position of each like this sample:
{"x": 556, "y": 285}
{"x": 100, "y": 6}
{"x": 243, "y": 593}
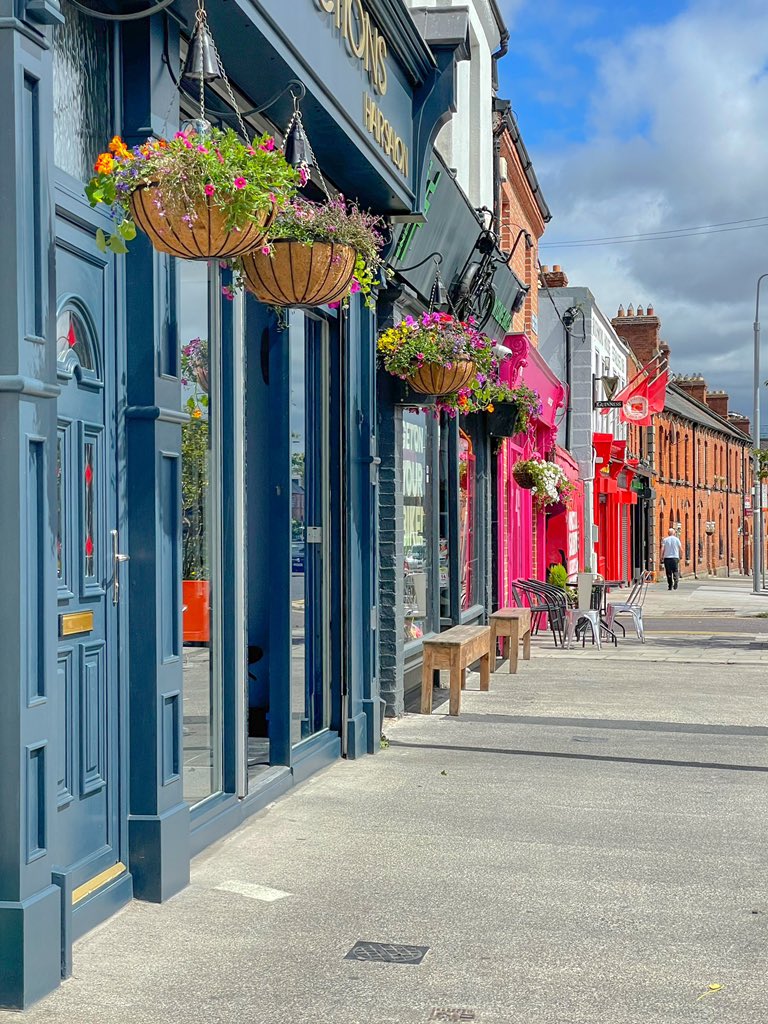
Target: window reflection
{"x": 310, "y": 671}
{"x": 200, "y": 561}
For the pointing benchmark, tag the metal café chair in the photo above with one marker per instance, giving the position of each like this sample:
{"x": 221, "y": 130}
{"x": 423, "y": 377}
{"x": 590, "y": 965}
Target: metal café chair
{"x": 632, "y": 606}
{"x": 529, "y": 593}
{"x": 551, "y": 602}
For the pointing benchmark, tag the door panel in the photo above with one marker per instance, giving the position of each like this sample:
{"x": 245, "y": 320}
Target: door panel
{"x": 87, "y": 833}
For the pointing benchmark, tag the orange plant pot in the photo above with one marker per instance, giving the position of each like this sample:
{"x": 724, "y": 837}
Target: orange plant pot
{"x": 196, "y": 596}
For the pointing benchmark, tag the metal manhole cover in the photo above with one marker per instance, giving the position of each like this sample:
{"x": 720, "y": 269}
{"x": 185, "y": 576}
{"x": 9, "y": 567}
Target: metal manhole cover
{"x": 454, "y": 1013}
{"x": 387, "y": 952}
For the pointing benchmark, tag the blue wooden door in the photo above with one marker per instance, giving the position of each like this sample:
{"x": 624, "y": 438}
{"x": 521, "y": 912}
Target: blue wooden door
{"x": 91, "y": 579}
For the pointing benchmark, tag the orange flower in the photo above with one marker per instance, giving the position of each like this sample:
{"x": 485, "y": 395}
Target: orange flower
{"x": 489, "y": 408}
{"x": 197, "y": 414}
{"x": 105, "y": 164}
{"x": 119, "y": 148}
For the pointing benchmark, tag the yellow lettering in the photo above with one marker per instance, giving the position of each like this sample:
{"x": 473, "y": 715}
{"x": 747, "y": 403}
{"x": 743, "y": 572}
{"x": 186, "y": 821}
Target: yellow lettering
{"x": 381, "y": 75}
{"x": 357, "y": 48}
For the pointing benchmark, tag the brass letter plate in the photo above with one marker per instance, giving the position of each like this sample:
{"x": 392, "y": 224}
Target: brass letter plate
{"x": 75, "y": 622}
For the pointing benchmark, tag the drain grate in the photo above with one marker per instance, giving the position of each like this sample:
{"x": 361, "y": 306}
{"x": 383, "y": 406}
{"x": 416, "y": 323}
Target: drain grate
{"x": 387, "y": 952}
{"x": 453, "y": 1013}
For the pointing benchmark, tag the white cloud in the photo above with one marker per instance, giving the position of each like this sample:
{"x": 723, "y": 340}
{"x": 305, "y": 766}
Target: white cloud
{"x": 676, "y": 137}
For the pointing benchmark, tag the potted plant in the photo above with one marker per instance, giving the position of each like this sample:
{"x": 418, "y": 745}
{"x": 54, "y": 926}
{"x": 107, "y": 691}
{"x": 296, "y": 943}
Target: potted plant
{"x": 546, "y": 479}
{"x": 318, "y": 254}
{"x": 558, "y": 577}
{"x": 437, "y": 355}
{"x": 204, "y": 194}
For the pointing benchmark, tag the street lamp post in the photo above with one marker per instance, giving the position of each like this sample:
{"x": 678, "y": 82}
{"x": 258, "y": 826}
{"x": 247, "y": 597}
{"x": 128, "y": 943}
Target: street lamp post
{"x": 757, "y": 500}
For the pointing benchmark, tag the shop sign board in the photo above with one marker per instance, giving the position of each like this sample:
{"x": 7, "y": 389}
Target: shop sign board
{"x": 451, "y": 229}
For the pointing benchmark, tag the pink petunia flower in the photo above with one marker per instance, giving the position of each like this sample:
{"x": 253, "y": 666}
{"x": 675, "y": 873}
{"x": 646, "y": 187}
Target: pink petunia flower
{"x": 355, "y": 286}
{"x": 268, "y": 146}
{"x": 209, "y": 189}
{"x": 227, "y": 292}
{"x": 202, "y": 149}
{"x": 303, "y": 175}
{"x": 266, "y": 250}
{"x": 240, "y": 182}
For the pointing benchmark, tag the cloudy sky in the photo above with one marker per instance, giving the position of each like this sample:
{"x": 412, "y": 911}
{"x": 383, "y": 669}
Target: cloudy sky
{"x": 645, "y": 116}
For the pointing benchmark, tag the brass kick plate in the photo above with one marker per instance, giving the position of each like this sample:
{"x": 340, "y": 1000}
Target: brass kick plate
{"x": 98, "y": 882}
{"x": 75, "y": 622}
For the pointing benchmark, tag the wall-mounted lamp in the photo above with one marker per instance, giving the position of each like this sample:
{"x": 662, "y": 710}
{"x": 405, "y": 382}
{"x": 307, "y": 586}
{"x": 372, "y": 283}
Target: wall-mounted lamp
{"x": 522, "y": 233}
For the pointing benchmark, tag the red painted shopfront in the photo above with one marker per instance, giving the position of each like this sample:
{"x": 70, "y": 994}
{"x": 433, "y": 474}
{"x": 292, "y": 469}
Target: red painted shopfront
{"x": 614, "y": 497}
{"x": 523, "y": 547}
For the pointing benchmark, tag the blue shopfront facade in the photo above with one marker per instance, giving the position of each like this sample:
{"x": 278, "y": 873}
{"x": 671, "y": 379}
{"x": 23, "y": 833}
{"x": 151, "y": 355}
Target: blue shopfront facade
{"x": 190, "y": 586}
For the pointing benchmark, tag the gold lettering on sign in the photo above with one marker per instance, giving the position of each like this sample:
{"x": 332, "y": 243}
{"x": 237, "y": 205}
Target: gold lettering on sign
{"x": 362, "y": 38}
{"x": 385, "y": 135}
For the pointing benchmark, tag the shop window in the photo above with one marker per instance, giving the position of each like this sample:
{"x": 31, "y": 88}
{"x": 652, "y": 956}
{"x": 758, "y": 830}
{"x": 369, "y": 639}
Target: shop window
{"x": 82, "y": 88}
{"x": 418, "y": 539}
{"x": 200, "y": 519}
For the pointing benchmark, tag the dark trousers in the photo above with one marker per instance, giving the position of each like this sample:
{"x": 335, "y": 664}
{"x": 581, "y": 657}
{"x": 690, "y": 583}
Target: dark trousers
{"x": 672, "y": 567}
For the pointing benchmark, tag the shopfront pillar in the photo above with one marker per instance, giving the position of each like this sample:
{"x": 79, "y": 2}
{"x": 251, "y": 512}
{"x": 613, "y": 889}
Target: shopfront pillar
{"x": 158, "y": 824}
{"x": 30, "y": 904}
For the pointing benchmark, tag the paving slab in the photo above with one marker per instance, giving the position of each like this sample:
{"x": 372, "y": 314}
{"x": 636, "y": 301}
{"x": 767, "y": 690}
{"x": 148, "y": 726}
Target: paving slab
{"x": 585, "y": 844}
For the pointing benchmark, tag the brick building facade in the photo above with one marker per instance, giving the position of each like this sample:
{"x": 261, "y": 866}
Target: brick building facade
{"x": 522, "y": 214}
{"x": 700, "y": 457}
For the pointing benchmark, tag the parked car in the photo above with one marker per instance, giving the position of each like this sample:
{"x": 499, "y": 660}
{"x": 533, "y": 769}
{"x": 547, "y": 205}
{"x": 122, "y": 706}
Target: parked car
{"x": 297, "y": 557}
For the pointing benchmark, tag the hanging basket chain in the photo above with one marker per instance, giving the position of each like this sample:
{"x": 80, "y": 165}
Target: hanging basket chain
{"x": 227, "y": 85}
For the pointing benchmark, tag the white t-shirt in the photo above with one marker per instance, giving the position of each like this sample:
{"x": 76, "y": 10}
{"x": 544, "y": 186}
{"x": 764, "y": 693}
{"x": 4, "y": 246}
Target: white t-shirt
{"x": 671, "y": 547}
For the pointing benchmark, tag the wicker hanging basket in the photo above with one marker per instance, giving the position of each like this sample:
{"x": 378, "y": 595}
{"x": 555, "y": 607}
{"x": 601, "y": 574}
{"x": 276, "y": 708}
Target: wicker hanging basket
{"x": 208, "y": 236}
{"x": 433, "y": 379}
{"x": 523, "y": 476}
{"x": 300, "y": 275}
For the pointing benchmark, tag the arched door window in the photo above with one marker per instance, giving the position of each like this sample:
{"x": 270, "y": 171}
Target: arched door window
{"x": 76, "y": 352}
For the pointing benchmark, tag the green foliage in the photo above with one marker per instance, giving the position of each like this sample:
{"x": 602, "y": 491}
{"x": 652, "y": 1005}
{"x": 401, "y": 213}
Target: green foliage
{"x": 761, "y": 455}
{"x": 195, "y": 480}
{"x": 558, "y": 576}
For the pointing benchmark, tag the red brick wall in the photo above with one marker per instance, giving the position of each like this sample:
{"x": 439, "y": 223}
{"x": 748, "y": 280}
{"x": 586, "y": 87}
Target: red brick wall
{"x": 722, "y": 474}
{"x": 518, "y": 210}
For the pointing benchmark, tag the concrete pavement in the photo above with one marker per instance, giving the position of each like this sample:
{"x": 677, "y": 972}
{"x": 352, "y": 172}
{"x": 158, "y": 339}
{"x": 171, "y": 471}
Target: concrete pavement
{"x": 584, "y": 845}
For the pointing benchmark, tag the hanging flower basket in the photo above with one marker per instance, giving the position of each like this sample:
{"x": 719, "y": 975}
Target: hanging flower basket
{"x": 319, "y": 254}
{"x": 510, "y": 410}
{"x": 202, "y": 232}
{"x": 439, "y": 355}
{"x": 547, "y": 480}
{"x": 434, "y": 379}
{"x": 290, "y": 273}
{"x": 523, "y": 475}
{"x": 204, "y": 194}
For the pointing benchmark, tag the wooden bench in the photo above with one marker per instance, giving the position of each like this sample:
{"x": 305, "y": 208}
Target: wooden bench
{"x": 515, "y": 625}
{"x": 455, "y": 649}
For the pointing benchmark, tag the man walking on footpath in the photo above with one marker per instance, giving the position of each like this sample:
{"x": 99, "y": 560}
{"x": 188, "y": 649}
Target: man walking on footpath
{"x": 671, "y": 549}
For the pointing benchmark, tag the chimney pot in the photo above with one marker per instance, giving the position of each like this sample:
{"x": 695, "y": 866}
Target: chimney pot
{"x": 640, "y": 311}
{"x": 621, "y": 311}
{"x": 630, "y": 310}
{"x": 649, "y": 311}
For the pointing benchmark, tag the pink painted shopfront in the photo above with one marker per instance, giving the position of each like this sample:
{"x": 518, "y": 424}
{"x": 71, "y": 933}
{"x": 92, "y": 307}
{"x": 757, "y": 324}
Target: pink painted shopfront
{"x": 522, "y": 546}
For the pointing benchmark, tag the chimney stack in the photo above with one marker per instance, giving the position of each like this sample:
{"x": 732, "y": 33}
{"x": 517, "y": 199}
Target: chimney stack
{"x": 718, "y": 402}
{"x": 640, "y": 331}
{"x": 693, "y": 385}
{"x": 554, "y": 278}
{"x": 740, "y": 422}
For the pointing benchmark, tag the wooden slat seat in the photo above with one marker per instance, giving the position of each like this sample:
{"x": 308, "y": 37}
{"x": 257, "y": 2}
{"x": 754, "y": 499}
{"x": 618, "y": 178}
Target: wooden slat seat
{"x": 455, "y": 649}
{"x": 515, "y": 625}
